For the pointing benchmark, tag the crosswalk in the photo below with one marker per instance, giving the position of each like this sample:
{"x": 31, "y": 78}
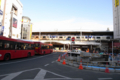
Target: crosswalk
{"x": 39, "y": 74}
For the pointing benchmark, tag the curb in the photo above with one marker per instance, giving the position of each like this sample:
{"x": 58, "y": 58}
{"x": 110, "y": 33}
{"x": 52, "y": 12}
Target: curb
{"x": 95, "y": 68}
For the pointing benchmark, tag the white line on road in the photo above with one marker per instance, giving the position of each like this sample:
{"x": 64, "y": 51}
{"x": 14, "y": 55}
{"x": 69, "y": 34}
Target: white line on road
{"x": 56, "y": 79}
{"x": 21, "y": 71}
{"x": 11, "y": 76}
{"x": 26, "y": 60}
{"x": 52, "y": 61}
{"x": 103, "y": 78}
{"x": 43, "y": 71}
{"x": 63, "y": 79}
{"x": 41, "y": 74}
{"x": 46, "y": 65}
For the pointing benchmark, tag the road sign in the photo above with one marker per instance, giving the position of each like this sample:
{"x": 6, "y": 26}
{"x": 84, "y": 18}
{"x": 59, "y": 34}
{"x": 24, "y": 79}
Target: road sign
{"x": 73, "y": 39}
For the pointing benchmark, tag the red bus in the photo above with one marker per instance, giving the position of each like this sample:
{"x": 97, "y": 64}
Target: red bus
{"x": 42, "y": 48}
{"x": 15, "y": 48}
{"x": 51, "y": 47}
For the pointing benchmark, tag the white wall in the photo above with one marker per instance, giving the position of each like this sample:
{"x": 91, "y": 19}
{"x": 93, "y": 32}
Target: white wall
{"x": 15, "y": 31}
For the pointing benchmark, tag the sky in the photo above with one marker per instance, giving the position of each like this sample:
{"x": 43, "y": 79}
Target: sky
{"x": 65, "y": 15}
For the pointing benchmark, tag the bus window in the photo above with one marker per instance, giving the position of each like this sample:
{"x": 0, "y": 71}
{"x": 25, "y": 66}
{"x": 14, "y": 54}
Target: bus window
{"x": 36, "y": 45}
{"x": 47, "y": 47}
{"x": 6, "y": 45}
{"x": 29, "y": 46}
{"x": 1, "y": 44}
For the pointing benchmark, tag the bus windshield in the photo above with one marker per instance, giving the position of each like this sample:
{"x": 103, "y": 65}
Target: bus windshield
{"x": 37, "y": 45}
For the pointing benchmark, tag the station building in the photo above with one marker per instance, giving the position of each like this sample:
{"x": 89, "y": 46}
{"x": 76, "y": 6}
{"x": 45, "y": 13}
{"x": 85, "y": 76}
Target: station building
{"x": 61, "y": 40}
{"x": 10, "y": 20}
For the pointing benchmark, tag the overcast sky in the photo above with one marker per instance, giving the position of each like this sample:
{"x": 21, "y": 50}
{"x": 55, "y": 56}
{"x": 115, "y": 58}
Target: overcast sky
{"x": 66, "y": 15}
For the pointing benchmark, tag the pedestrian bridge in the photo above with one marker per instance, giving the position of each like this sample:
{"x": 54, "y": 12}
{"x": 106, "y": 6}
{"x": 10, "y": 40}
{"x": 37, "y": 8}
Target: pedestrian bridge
{"x": 69, "y": 42}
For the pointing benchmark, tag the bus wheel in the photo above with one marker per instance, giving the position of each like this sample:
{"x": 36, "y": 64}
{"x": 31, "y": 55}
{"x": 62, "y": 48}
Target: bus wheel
{"x": 29, "y": 55}
{"x": 7, "y": 57}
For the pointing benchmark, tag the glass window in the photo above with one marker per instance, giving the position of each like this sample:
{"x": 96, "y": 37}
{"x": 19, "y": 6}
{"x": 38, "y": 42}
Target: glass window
{"x": 6, "y": 45}
{"x": 29, "y": 46}
{"x": 69, "y": 37}
{"x": 47, "y": 47}
{"x": 82, "y": 36}
{"x": 78, "y": 37}
{"x": 107, "y": 37}
{"x": 98, "y": 37}
{"x": 86, "y": 36}
{"x": 44, "y": 36}
{"x": 1, "y": 44}
{"x": 36, "y": 45}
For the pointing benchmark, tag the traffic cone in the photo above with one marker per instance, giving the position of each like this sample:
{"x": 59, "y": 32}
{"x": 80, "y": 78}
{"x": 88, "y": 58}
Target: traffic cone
{"x": 64, "y": 63}
{"x": 58, "y": 59}
{"x": 107, "y": 69}
{"x": 80, "y": 67}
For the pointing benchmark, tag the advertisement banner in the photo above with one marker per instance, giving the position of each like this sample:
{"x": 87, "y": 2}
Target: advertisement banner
{"x": 0, "y": 3}
{"x": 1, "y": 30}
{"x": 116, "y": 3}
{"x": 14, "y": 22}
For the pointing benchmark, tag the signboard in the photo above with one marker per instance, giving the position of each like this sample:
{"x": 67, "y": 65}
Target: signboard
{"x": 1, "y": 30}
{"x": 1, "y": 12}
{"x": 0, "y": 4}
{"x": 14, "y": 22}
{"x": 116, "y": 3}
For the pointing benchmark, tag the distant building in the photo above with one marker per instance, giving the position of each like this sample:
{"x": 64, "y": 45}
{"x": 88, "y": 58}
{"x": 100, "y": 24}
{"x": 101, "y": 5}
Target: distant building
{"x": 26, "y": 28}
{"x": 116, "y": 18}
{"x": 11, "y": 18}
{"x": 99, "y": 40}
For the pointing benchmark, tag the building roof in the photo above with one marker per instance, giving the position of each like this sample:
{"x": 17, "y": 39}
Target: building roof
{"x": 76, "y": 32}
{"x": 26, "y": 17}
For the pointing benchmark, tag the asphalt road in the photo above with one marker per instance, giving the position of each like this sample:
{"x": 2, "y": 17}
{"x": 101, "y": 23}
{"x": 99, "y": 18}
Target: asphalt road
{"x": 46, "y": 68}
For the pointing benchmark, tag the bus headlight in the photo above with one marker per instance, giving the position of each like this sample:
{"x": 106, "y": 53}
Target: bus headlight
{"x": 0, "y": 55}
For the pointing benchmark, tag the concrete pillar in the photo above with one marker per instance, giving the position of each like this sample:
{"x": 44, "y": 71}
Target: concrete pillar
{"x": 91, "y": 47}
{"x": 64, "y": 46}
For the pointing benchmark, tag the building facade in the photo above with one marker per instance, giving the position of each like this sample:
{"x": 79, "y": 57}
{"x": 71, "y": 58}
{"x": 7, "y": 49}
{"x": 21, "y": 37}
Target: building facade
{"x": 26, "y": 28}
{"x": 11, "y": 18}
{"x": 116, "y": 19}
{"x": 61, "y": 40}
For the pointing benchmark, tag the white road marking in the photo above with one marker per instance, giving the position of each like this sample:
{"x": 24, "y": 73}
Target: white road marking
{"x": 103, "y": 78}
{"x": 11, "y": 76}
{"x": 35, "y": 69}
{"x": 26, "y": 60}
{"x": 41, "y": 74}
{"x": 46, "y": 65}
{"x": 56, "y": 79}
{"x": 52, "y": 61}
{"x": 21, "y": 71}
{"x": 64, "y": 79}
